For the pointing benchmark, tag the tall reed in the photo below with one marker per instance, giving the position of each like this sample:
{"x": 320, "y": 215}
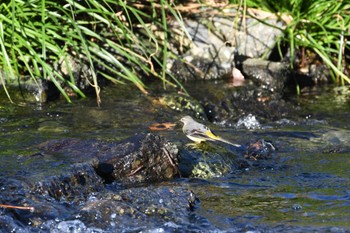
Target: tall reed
{"x": 113, "y": 38}
{"x": 319, "y": 25}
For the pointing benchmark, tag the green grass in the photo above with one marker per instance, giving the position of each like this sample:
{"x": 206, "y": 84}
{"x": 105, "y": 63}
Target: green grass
{"x": 319, "y": 25}
{"x": 114, "y": 38}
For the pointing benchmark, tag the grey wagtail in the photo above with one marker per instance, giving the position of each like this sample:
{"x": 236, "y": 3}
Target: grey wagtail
{"x": 198, "y": 132}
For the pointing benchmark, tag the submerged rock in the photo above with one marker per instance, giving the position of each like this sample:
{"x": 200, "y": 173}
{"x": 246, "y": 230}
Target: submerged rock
{"x": 259, "y": 150}
{"x": 113, "y": 208}
{"x": 137, "y": 208}
{"x": 81, "y": 179}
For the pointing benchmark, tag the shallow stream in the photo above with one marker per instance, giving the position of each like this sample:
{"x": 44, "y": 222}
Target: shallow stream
{"x": 307, "y": 187}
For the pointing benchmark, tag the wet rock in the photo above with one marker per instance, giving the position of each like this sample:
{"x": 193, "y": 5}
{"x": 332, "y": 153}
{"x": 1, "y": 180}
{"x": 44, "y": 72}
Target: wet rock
{"x": 266, "y": 107}
{"x": 141, "y": 158}
{"x": 78, "y": 181}
{"x": 269, "y": 75}
{"x": 112, "y": 209}
{"x": 183, "y": 103}
{"x": 261, "y": 97}
{"x": 137, "y": 208}
{"x": 247, "y": 106}
{"x": 27, "y": 89}
{"x": 259, "y": 150}
{"x": 69, "y": 172}
{"x": 206, "y": 160}
{"x": 20, "y": 193}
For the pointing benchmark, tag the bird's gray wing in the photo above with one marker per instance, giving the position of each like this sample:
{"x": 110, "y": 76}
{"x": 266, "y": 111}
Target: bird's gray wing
{"x": 198, "y": 131}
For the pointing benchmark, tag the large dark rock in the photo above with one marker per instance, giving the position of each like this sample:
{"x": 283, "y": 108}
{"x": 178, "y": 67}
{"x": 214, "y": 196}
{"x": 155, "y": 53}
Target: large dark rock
{"x": 73, "y": 181}
{"x": 140, "y": 158}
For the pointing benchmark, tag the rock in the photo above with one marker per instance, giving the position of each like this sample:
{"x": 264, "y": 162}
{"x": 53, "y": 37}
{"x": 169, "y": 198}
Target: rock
{"x": 215, "y": 41}
{"x": 251, "y": 37}
{"x": 271, "y": 76}
{"x": 208, "y": 58}
{"x": 28, "y": 89}
{"x": 182, "y": 103}
{"x": 76, "y": 182}
{"x": 142, "y": 158}
{"x": 138, "y": 206}
{"x": 71, "y": 186}
{"x": 259, "y": 103}
{"x": 111, "y": 209}
{"x": 208, "y": 160}
{"x": 78, "y": 67}
{"x": 259, "y": 149}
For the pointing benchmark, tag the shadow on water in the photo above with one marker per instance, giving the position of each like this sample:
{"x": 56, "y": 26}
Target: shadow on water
{"x": 305, "y": 189}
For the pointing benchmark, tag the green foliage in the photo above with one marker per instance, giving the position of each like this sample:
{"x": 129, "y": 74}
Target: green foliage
{"x": 320, "y": 25}
{"x": 113, "y": 37}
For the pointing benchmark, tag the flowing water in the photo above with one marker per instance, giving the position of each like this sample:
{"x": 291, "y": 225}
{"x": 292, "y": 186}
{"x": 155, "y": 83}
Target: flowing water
{"x": 306, "y": 188}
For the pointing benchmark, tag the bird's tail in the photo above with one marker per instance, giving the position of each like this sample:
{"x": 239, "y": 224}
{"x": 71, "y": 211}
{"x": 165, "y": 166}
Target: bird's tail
{"x": 225, "y": 141}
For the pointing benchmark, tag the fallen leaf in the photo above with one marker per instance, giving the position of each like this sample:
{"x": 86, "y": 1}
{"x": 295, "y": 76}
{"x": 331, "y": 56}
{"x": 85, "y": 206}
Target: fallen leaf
{"x": 161, "y": 126}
